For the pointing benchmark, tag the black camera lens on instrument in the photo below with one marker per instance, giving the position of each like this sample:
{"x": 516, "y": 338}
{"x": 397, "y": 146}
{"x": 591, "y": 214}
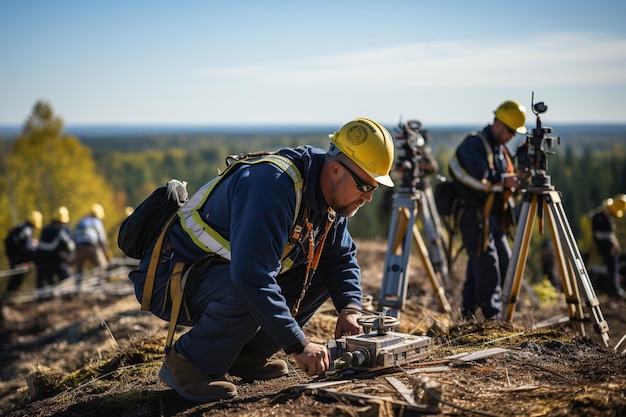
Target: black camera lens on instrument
{"x": 540, "y": 107}
{"x": 532, "y": 153}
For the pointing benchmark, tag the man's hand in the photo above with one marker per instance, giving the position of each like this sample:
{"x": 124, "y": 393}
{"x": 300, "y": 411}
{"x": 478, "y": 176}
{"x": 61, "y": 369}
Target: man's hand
{"x": 510, "y": 181}
{"x": 347, "y": 323}
{"x": 315, "y": 359}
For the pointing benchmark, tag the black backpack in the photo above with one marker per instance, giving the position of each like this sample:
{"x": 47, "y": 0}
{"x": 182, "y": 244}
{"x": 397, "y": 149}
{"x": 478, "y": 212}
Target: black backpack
{"x": 146, "y": 222}
{"x": 445, "y": 196}
{"x": 13, "y": 248}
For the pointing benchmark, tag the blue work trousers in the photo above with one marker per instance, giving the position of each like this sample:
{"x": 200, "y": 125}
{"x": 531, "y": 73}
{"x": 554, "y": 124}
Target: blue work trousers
{"x": 611, "y": 283}
{"x": 221, "y": 324}
{"x": 486, "y": 269}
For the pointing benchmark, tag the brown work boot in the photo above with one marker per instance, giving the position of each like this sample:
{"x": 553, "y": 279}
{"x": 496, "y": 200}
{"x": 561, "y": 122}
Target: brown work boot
{"x": 250, "y": 367}
{"x": 190, "y": 382}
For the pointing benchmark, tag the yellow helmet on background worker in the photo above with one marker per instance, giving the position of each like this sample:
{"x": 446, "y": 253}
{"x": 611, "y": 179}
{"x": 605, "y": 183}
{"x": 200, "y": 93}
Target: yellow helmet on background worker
{"x": 513, "y": 115}
{"x": 616, "y": 206}
{"x": 62, "y": 215}
{"x": 97, "y": 210}
{"x": 369, "y": 145}
{"x": 35, "y": 218}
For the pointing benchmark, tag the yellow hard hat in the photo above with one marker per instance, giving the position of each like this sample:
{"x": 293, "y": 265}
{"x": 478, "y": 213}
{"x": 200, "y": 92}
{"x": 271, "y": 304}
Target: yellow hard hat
{"x": 616, "y": 205}
{"x": 367, "y": 144}
{"x": 62, "y": 215}
{"x": 35, "y": 218}
{"x": 513, "y": 115}
{"x": 97, "y": 210}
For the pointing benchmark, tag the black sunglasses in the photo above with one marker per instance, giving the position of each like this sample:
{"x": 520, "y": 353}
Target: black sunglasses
{"x": 508, "y": 129}
{"x": 361, "y": 185}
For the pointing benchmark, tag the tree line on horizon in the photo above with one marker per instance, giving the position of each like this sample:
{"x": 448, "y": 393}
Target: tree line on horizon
{"x": 44, "y": 168}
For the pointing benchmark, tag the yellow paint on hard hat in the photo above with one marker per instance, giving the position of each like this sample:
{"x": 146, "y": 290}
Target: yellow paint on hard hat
{"x": 616, "y": 206}
{"x": 513, "y": 115}
{"x": 36, "y": 219}
{"x": 369, "y": 145}
{"x": 97, "y": 210}
{"x": 62, "y": 215}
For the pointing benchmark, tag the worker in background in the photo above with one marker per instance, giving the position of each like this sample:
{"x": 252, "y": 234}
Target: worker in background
{"x": 91, "y": 243}
{"x": 484, "y": 179}
{"x": 56, "y": 249}
{"x": 606, "y": 243}
{"x": 20, "y": 245}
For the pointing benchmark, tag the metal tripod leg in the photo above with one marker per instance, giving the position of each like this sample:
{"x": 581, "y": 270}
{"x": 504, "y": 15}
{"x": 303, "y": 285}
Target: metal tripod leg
{"x": 433, "y": 233}
{"x": 402, "y": 233}
{"x": 576, "y": 267}
{"x": 394, "y": 285}
{"x": 570, "y": 262}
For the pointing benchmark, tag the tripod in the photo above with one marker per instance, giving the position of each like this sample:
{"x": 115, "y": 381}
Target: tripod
{"x": 539, "y": 198}
{"x": 433, "y": 232}
{"x": 402, "y": 232}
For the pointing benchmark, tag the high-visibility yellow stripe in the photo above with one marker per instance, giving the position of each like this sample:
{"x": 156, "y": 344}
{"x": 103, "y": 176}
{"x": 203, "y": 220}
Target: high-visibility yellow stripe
{"x": 204, "y": 236}
{"x": 460, "y": 174}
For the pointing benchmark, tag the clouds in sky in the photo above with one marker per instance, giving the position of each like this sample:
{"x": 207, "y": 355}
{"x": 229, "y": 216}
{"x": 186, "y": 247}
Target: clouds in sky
{"x": 281, "y": 62}
{"x": 467, "y": 76}
{"x": 556, "y": 59}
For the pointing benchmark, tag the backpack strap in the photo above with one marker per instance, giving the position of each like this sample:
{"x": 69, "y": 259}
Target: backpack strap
{"x": 148, "y": 285}
{"x": 176, "y": 283}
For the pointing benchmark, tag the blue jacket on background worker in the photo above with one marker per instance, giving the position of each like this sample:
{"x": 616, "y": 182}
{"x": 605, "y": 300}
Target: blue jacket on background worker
{"x": 484, "y": 178}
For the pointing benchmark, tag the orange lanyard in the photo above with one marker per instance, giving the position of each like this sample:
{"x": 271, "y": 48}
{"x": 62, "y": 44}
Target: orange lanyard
{"x": 509, "y": 163}
{"x": 313, "y": 256}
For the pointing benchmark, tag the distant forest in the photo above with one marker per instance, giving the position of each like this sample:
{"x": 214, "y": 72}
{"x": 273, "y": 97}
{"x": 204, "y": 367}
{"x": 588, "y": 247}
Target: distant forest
{"x": 587, "y": 166}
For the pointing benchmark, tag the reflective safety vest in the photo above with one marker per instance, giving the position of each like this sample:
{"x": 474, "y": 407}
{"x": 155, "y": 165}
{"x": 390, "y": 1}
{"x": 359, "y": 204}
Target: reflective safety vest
{"x": 460, "y": 174}
{"x": 206, "y": 238}
{"x": 203, "y": 235}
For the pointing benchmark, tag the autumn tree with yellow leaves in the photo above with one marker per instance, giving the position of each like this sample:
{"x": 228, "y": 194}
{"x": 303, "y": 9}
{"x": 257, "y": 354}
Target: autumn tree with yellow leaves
{"x": 45, "y": 168}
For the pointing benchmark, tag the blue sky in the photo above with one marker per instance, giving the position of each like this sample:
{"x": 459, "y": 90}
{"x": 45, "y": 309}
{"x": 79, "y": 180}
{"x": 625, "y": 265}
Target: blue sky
{"x": 314, "y": 62}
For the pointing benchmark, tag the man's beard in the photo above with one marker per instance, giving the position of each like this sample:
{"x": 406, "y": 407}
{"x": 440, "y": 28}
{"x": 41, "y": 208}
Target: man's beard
{"x": 348, "y": 210}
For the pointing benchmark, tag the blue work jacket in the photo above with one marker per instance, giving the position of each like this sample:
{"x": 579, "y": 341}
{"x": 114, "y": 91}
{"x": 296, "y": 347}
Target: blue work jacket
{"x": 253, "y": 208}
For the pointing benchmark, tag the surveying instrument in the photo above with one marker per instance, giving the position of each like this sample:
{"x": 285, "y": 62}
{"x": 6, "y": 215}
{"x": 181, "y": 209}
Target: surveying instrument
{"x": 541, "y": 198}
{"x": 413, "y": 198}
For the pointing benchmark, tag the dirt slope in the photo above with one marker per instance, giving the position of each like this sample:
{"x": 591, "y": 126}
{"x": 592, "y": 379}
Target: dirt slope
{"x": 98, "y": 355}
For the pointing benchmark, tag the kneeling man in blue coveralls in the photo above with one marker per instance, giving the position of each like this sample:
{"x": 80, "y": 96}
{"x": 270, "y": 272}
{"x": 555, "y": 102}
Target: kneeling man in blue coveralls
{"x": 275, "y": 228}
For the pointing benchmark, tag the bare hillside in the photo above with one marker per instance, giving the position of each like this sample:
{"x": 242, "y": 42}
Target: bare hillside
{"x": 98, "y": 355}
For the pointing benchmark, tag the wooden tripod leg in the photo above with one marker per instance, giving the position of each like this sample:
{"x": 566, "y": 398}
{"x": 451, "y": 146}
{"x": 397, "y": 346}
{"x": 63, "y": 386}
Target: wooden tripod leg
{"x": 430, "y": 271}
{"x": 568, "y": 282}
{"x": 519, "y": 255}
{"x": 401, "y": 228}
